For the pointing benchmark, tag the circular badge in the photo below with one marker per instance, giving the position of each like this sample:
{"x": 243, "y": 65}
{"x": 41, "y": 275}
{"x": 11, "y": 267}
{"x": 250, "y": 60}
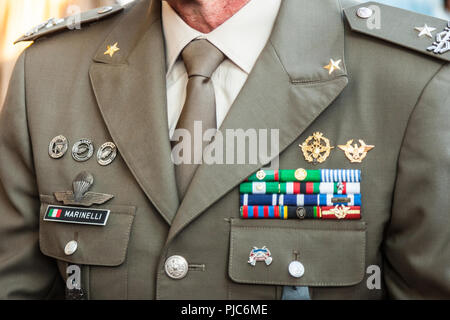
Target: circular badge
{"x": 106, "y": 154}
{"x": 260, "y": 175}
{"x": 58, "y": 147}
{"x": 300, "y": 174}
{"x": 301, "y": 213}
{"x": 83, "y": 150}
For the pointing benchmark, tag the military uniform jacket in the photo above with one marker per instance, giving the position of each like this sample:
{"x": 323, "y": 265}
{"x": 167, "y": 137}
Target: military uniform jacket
{"x": 389, "y": 91}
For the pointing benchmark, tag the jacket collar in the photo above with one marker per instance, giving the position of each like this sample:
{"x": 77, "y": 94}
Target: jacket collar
{"x": 287, "y": 89}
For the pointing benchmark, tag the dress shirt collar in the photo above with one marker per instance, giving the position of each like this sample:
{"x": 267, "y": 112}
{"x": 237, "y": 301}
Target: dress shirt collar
{"x": 241, "y": 38}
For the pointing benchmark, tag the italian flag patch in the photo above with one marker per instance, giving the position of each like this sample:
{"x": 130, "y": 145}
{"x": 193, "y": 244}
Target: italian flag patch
{"x": 55, "y": 213}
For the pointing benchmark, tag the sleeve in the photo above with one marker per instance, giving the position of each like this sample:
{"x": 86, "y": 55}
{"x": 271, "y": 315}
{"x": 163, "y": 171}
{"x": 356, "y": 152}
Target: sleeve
{"x": 25, "y": 273}
{"x": 417, "y": 243}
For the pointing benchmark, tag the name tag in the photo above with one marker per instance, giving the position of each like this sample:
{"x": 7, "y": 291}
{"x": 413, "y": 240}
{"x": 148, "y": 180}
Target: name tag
{"x": 96, "y": 217}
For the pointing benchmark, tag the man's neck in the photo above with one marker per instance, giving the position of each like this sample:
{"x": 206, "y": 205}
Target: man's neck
{"x": 206, "y": 15}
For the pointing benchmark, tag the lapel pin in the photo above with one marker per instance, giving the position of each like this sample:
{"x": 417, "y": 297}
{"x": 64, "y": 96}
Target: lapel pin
{"x": 355, "y": 153}
{"x": 58, "y": 147}
{"x": 316, "y": 148}
{"x": 80, "y": 194}
{"x": 442, "y": 43}
{"x": 260, "y": 254}
{"x": 106, "y": 154}
{"x": 425, "y": 31}
{"x": 333, "y": 66}
{"x": 111, "y": 50}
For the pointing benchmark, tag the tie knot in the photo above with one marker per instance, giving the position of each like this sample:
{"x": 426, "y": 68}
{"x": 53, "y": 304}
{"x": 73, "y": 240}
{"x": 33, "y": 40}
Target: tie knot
{"x": 202, "y": 58}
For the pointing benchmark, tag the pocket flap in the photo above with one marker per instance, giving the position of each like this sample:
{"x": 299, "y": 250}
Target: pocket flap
{"x": 97, "y": 245}
{"x": 332, "y": 253}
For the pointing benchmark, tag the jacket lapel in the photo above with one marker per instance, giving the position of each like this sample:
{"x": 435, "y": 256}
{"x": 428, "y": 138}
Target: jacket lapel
{"x": 131, "y": 94}
{"x": 287, "y": 90}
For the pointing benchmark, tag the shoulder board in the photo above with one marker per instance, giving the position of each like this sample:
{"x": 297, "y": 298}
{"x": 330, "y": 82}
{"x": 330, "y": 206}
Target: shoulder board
{"x": 54, "y": 25}
{"x": 418, "y": 32}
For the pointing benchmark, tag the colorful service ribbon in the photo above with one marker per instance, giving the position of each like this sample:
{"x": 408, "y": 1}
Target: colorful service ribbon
{"x": 307, "y": 212}
{"x": 324, "y": 175}
{"x": 300, "y": 188}
{"x": 300, "y": 199}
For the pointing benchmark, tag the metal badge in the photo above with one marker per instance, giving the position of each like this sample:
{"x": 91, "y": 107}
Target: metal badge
{"x": 106, "y": 154}
{"x": 316, "y": 149}
{"x": 442, "y": 43}
{"x": 300, "y": 174}
{"x": 355, "y": 153}
{"x": 260, "y": 175}
{"x": 425, "y": 31}
{"x": 341, "y": 211}
{"x": 83, "y": 150}
{"x": 58, "y": 147}
{"x": 111, "y": 50}
{"x": 46, "y": 24}
{"x": 333, "y": 66}
{"x": 80, "y": 196}
{"x": 262, "y": 254}
{"x": 301, "y": 213}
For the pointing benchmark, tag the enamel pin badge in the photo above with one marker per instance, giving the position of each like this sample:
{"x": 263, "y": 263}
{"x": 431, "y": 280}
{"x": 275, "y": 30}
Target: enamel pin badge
{"x": 260, "y": 254}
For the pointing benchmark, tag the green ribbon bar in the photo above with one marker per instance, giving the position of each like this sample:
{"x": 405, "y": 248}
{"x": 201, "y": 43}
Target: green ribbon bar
{"x": 286, "y": 176}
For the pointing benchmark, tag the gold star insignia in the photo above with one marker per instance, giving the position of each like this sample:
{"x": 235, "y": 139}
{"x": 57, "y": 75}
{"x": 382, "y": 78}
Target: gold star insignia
{"x": 111, "y": 50}
{"x": 333, "y": 65}
{"x": 425, "y": 30}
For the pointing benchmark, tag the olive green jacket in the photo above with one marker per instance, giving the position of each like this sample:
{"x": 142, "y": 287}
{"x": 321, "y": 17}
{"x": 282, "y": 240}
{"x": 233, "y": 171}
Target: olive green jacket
{"x": 390, "y": 92}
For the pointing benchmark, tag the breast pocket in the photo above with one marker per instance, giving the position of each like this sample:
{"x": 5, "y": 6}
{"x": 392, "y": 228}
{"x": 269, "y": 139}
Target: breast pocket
{"x": 330, "y": 253}
{"x": 100, "y": 250}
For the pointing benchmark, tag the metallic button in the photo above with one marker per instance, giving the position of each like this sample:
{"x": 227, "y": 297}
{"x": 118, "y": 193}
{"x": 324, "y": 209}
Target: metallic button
{"x": 364, "y": 13}
{"x": 301, "y": 213}
{"x": 176, "y": 267}
{"x": 104, "y": 10}
{"x": 296, "y": 269}
{"x": 71, "y": 247}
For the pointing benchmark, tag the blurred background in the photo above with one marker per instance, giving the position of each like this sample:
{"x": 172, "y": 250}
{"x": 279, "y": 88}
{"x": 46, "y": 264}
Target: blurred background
{"x": 19, "y": 16}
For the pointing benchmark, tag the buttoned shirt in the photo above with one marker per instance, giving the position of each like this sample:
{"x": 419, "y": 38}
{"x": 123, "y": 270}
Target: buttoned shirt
{"x": 241, "y": 38}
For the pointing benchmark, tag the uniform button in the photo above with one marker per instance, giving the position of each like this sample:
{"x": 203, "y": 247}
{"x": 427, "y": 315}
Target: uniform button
{"x": 70, "y": 248}
{"x": 364, "y": 13}
{"x": 176, "y": 267}
{"x": 296, "y": 269}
